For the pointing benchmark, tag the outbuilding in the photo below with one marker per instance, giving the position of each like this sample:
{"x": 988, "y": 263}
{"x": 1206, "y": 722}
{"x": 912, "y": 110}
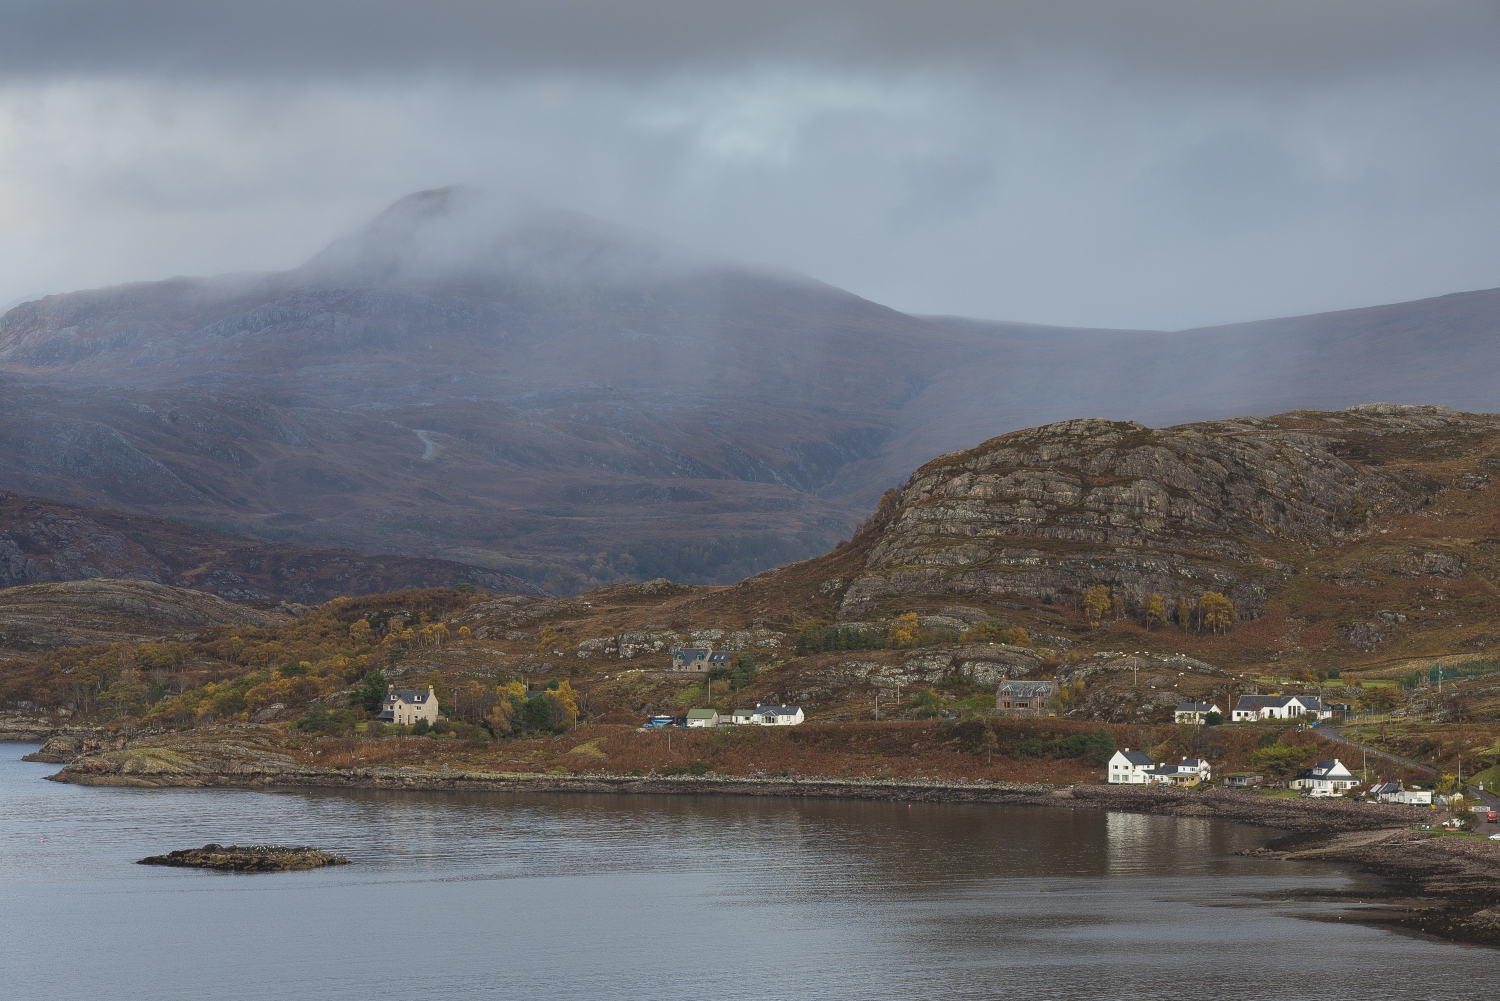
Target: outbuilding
{"x": 702, "y": 717}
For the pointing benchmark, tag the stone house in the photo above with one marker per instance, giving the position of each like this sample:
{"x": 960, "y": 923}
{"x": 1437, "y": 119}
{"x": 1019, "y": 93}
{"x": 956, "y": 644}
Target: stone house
{"x": 691, "y": 658}
{"x": 405, "y": 706}
{"x": 1024, "y": 698}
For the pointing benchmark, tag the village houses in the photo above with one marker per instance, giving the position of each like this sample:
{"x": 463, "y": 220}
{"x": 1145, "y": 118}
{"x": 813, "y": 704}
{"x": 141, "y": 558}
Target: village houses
{"x": 1187, "y": 772}
{"x": 404, "y": 707}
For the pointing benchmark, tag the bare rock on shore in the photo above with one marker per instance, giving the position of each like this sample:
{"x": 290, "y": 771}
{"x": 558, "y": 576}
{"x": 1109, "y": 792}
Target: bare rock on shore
{"x": 247, "y": 858}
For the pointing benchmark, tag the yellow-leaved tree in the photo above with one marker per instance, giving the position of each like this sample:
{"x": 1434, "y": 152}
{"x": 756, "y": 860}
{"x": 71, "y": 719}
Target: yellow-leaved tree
{"x": 1184, "y": 614}
{"x": 565, "y": 698}
{"x": 359, "y": 633}
{"x": 905, "y": 631}
{"x": 1096, "y": 604}
{"x": 1218, "y": 612}
{"x": 1156, "y": 612}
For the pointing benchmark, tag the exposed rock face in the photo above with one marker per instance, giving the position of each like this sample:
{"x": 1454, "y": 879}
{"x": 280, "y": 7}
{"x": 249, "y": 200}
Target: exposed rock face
{"x": 248, "y": 858}
{"x": 1177, "y": 511}
{"x": 79, "y": 612}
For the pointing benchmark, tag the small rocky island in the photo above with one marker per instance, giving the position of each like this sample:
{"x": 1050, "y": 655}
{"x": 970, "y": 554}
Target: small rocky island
{"x": 247, "y": 858}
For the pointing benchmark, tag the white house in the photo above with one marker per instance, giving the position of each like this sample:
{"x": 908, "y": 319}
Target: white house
{"x": 778, "y": 715}
{"x": 1324, "y": 779}
{"x": 404, "y": 707}
{"x": 742, "y": 716}
{"x": 702, "y": 717}
{"x": 1194, "y": 712}
{"x": 1392, "y": 792}
{"x": 1187, "y": 772}
{"x": 1250, "y": 708}
{"x": 1129, "y": 767}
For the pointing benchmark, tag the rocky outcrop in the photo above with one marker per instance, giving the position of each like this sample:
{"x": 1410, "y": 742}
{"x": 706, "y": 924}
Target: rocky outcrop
{"x": 1176, "y": 512}
{"x": 74, "y": 613}
{"x": 247, "y": 858}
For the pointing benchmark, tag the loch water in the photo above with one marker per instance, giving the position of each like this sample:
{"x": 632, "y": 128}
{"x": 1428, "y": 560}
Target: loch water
{"x": 712, "y": 897}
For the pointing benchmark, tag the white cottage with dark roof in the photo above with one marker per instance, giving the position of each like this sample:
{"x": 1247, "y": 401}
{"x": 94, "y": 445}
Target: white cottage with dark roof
{"x": 404, "y": 706}
{"x": 1129, "y": 767}
{"x": 1326, "y": 778}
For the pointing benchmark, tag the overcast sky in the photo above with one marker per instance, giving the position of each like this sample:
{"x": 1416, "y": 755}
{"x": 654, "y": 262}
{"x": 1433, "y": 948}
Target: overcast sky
{"x": 1139, "y": 164}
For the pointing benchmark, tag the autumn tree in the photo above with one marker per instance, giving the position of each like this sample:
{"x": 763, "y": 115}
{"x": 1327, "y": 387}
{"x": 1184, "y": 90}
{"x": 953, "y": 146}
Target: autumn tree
{"x": 359, "y": 633}
{"x": 1184, "y": 614}
{"x": 1218, "y": 612}
{"x": 989, "y": 744}
{"x": 1096, "y": 604}
{"x": 905, "y": 631}
{"x": 1156, "y": 612}
{"x": 565, "y": 698}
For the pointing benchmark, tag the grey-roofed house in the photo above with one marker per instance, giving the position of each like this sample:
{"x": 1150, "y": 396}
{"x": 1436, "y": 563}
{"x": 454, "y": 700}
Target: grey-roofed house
{"x": 1250, "y": 708}
{"x": 404, "y": 706}
{"x": 691, "y": 658}
{"x": 1024, "y": 698}
{"x": 1129, "y": 767}
{"x": 778, "y": 715}
{"x": 1324, "y": 779}
{"x": 1187, "y": 772}
{"x": 1195, "y": 712}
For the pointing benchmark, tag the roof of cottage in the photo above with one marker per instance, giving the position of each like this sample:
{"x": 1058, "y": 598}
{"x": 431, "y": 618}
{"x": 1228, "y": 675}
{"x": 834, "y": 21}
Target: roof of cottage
{"x": 1026, "y": 689}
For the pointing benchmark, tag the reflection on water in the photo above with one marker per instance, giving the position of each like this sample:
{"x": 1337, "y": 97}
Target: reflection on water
{"x": 598, "y": 896}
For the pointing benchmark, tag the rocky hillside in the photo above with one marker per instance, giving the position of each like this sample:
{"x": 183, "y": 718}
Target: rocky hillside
{"x": 82, "y": 612}
{"x": 43, "y": 541}
{"x": 1174, "y": 512}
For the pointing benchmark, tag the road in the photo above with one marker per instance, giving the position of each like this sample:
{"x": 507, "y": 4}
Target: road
{"x": 1489, "y": 799}
{"x": 1333, "y": 734}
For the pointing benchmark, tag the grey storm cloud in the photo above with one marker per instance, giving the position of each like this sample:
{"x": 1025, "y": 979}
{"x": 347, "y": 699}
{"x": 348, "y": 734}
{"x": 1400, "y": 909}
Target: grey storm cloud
{"x": 1161, "y": 163}
{"x": 1269, "y": 41}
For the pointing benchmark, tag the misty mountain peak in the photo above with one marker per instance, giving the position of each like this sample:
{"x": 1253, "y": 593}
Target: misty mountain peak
{"x": 459, "y": 233}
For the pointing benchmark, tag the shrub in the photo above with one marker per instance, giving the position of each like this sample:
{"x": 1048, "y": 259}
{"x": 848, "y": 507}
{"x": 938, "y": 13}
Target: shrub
{"x": 1098, "y": 747}
{"x": 464, "y": 587}
{"x": 371, "y": 693}
{"x": 1214, "y": 719}
{"x": 375, "y": 729}
{"x": 421, "y": 728}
